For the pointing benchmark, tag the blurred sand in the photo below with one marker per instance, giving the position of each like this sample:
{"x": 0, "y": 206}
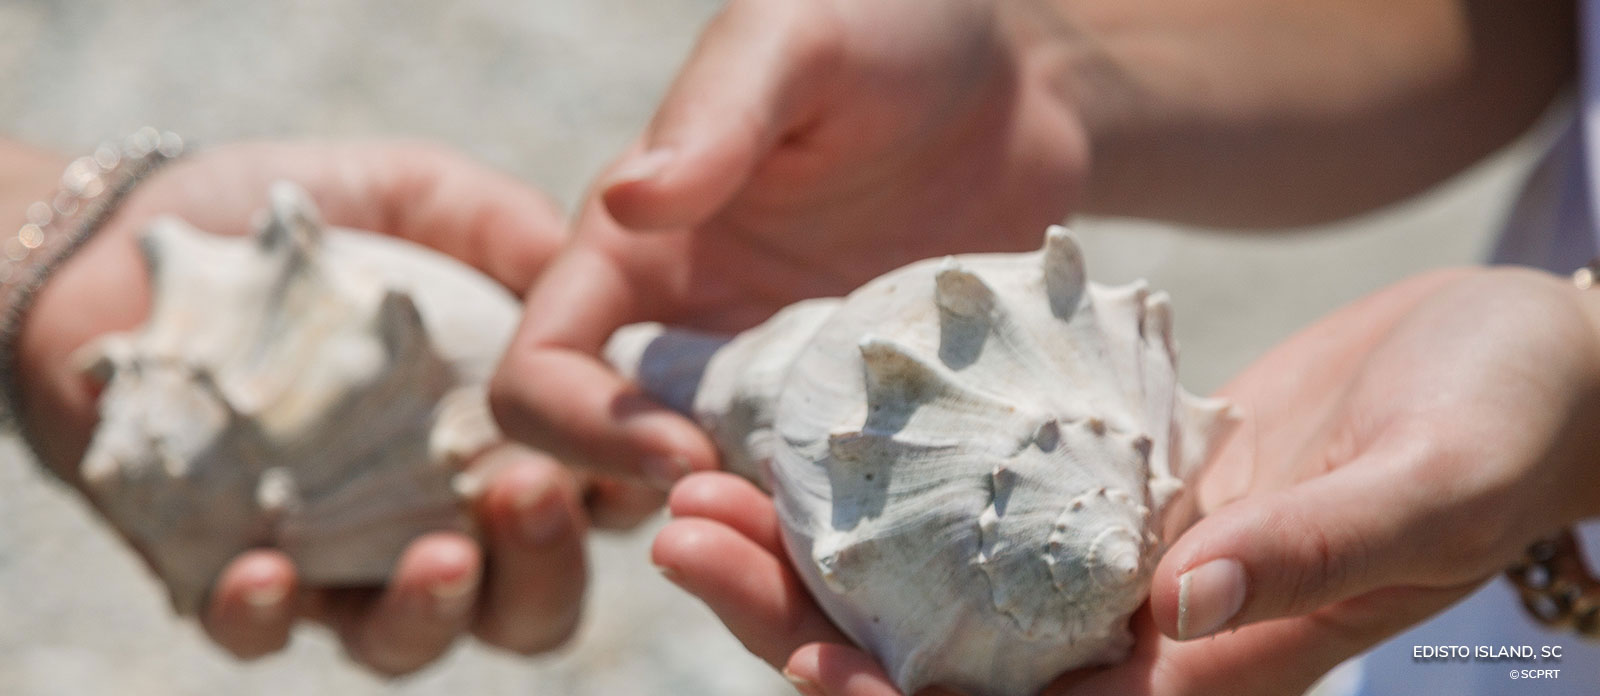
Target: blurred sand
{"x": 549, "y": 90}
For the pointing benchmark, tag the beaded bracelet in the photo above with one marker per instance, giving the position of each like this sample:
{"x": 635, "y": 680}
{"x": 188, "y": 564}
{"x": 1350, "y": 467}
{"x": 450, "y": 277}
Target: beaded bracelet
{"x": 1556, "y": 586}
{"x": 91, "y": 189}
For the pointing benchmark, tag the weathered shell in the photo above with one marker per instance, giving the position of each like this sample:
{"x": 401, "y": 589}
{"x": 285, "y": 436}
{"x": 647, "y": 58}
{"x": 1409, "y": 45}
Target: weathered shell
{"x": 977, "y": 460}
{"x": 314, "y": 390}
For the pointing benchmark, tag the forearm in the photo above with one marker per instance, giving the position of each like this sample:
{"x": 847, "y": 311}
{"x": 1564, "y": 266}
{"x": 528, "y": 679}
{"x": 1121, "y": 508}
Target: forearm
{"x": 1260, "y": 112}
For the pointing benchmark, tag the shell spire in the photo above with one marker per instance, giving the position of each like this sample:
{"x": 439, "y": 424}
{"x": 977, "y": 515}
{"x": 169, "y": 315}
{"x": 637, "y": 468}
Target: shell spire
{"x": 292, "y": 222}
{"x": 895, "y": 374}
{"x": 977, "y": 460}
{"x": 1065, "y": 276}
{"x": 960, "y": 292}
{"x": 400, "y": 324}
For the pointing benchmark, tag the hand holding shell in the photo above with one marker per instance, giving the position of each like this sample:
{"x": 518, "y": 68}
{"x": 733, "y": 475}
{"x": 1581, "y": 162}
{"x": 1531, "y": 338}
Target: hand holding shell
{"x": 977, "y": 461}
{"x": 315, "y": 390}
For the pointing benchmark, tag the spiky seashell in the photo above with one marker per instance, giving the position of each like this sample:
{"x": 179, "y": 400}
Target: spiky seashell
{"x": 313, "y": 390}
{"x": 977, "y": 461}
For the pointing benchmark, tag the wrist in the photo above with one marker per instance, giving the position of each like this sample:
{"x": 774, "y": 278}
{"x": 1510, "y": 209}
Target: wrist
{"x": 1586, "y": 417}
{"x": 1557, "y": 587}
{"x": 27, "y": 177}
{"x": 50, "y": 303}
{"x": 102, "y": 288}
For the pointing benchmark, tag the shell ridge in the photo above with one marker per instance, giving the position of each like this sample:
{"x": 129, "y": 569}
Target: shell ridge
{"x": 896, "y": 376}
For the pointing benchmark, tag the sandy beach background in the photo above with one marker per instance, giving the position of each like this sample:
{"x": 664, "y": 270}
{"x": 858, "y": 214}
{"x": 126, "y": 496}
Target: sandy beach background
{"x": 549, "y": 90}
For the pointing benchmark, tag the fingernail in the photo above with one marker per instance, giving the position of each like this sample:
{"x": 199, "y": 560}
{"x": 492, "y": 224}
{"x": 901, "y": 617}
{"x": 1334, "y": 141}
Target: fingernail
{"x": 802, "y": 684}
{"x": 540, "y": 525}
{"x": 264, "y": 590}
{"x": 646, "y": 165}
{"x": 264, "y": 599}
{"x": 1209, "y": 596}
{"x": 663, "y": 471}
{"x": 453, "y": 596}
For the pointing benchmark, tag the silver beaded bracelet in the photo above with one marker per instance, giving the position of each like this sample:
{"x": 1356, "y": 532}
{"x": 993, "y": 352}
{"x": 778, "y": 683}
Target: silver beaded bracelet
{"x": 91, "y": 189}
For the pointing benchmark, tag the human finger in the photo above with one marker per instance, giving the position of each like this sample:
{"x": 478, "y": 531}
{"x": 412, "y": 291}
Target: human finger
{"x": 533, "y": 520}
{"x": 830, "y": 669}
{"x": 754, "y": 592}
{"x": 417, "y": 191}
{"x": 1262, "y": 659}
{"x": 1359, "y": 528}
{"x": 424, "y": 607}
{"x": 615, "y": 503}
{"x": 551, "y": 389}
{"x": 732, "y": 501}
{"x": 442, "y": 199}
{"x": 759, "y": 68}
{"x": 251, "y": 610}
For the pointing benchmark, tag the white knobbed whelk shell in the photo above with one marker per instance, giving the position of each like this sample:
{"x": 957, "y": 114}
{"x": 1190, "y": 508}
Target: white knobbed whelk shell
{"x": 977, "y": 460}
{"x": 315, "y": 390}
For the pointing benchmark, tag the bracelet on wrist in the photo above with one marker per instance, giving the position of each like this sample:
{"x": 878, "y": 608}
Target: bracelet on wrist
{"x": 1556, "y": 586}
{"x": 91, "y": 188}
{"x": 1553, "y": 579}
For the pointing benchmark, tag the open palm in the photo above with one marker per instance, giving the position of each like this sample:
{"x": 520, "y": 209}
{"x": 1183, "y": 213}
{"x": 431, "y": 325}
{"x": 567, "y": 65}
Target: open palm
{"x": 1393, "y": 456}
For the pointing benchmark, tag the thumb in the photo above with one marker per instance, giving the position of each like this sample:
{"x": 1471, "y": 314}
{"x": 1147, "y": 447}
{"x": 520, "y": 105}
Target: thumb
{"x": 756, "y": 71}
{"x": 1286, "y": 553}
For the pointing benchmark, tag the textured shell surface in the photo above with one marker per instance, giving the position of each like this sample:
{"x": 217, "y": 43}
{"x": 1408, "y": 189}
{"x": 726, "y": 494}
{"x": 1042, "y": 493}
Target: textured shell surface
{"x": 977, "y": 461}
{"x": 311, "y": 389}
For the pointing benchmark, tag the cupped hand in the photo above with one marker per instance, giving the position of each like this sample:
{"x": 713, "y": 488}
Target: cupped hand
{"x": 522, "y": 591}
{"x": 1392, "y": 457}
{"x": 805, "y": 148}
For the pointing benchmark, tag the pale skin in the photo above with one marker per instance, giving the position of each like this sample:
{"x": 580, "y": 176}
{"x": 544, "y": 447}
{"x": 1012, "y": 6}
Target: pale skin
{"x": 521, "y": 588}
{"x": 1366, "y": 495}
{"x": 808, "y": 146}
